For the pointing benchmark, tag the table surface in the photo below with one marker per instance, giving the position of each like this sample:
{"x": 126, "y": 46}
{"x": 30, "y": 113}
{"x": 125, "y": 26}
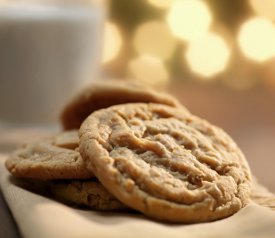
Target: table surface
{"x": 249, "y": 118}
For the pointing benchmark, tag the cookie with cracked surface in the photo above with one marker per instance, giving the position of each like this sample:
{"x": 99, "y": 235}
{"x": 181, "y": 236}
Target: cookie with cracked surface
{"x": 102, "y": 94}
{"x": 88, "y": 193}
{"x": 166, "y": 162}
{"x": 55, "y": 157}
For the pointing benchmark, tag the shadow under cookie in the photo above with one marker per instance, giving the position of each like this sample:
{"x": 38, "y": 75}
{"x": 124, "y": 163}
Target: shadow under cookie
{"x": 83, "y": 194}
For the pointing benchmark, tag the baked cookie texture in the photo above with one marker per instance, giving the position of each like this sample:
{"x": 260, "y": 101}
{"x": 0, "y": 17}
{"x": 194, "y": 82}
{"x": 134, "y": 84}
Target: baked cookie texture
{"x": 165, "y": 162}
{"x": 102, "y": 94}
{"x": 86, "y": 193}
{"x": 55, "y": 157}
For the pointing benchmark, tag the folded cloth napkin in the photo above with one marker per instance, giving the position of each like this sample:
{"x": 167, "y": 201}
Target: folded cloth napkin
{"x": 38, "y": 216}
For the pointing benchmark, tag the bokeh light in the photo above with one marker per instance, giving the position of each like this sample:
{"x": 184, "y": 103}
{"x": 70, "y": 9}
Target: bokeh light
{"x": 208, "y": 56}
{"x": 149, "y": 70}
{"x": 189, "y": 20}
{"x": 154, "y": 38}
{"x": 257, "y": 39}
{"x": 112, "y": 42}
{"x": 264, "y": 8}
{"x": 161, "y": 3}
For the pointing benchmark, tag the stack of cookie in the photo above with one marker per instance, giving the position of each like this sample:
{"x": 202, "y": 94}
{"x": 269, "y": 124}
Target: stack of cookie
{"x": 127, "y": 147}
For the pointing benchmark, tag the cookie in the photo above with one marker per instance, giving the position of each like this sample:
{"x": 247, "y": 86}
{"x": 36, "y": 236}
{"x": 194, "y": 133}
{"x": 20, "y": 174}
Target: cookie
{"x": 88, "y": 193}
{"x": 55, "y": 157}
{"x": 102, "y": 94}
{"x": 165, "y": 162}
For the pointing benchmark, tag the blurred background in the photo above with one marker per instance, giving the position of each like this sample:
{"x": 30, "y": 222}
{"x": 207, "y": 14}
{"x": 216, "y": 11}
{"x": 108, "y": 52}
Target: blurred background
{"x": 216, "y": 56}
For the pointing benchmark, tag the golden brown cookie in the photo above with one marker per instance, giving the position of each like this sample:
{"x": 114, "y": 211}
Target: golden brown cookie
{"x": 165, "y": 162}
{"x": 88, "y": 193}
{"x": 102, "y": 94}
{"x": 56, "y": 157}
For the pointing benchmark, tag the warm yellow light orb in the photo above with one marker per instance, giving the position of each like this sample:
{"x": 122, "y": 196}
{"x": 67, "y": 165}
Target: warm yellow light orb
{"x": 161, "y": 3}
{"x": 265, "y": 8}
{"x": 112, "y": 42}
{"x": 208, "y": 56}
{"x": 149, "y": 70}
{"x": 257, "y": 39}
{"x": 154, "y": 38}
{"x": 189, "y": 19}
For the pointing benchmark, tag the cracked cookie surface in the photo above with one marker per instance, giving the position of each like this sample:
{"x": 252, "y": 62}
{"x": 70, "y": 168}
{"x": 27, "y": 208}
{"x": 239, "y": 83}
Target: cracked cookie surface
{"x": 102, "y": 94}
{"x": 165, "y": 162}
{"x": 55, "y": 157}
{"x": 88, "y": 193}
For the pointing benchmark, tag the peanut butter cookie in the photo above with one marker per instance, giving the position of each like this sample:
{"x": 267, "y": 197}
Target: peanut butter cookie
{"x": 56, "y": 157}
{"x": 102, "y": 94}
{"x": 88, "y": 193}
{"x": 165, "y": 162}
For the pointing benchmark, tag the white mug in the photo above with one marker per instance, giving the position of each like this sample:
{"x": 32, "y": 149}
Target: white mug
{"x": 46, "y": 54}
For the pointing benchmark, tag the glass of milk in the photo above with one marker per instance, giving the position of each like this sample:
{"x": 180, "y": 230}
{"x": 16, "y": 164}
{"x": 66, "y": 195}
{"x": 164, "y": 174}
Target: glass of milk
{"x": 47, "y": 52}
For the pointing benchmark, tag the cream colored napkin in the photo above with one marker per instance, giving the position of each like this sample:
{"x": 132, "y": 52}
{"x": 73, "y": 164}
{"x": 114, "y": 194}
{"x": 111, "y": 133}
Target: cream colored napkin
{"x": 38, "y": 216}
